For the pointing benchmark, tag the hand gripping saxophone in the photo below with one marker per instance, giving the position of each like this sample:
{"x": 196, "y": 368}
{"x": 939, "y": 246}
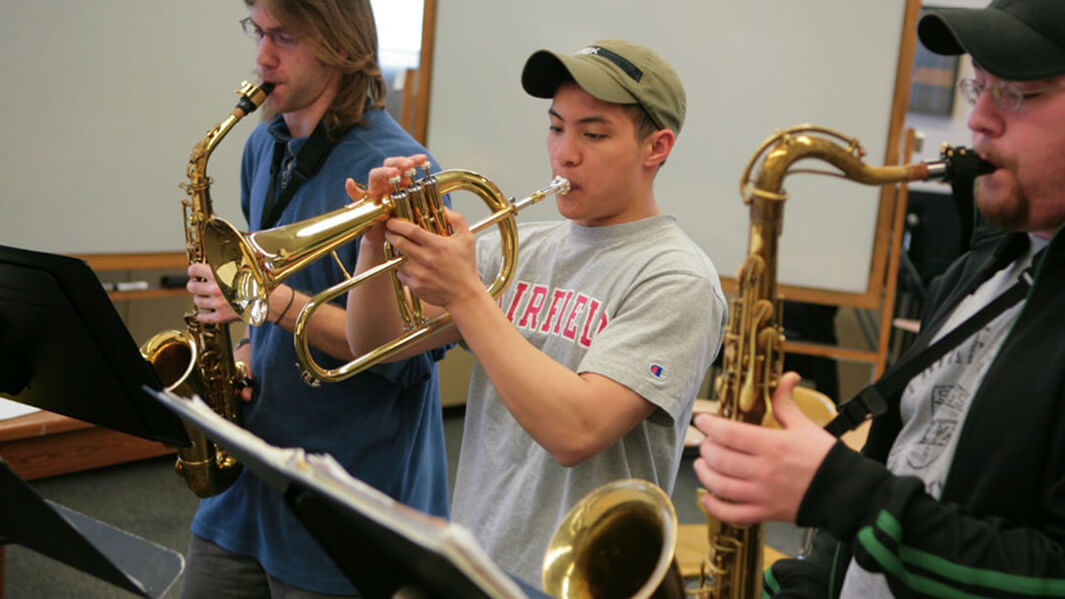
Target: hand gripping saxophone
{"x": 753, "y": 348}
{"x": 199, "y": 360}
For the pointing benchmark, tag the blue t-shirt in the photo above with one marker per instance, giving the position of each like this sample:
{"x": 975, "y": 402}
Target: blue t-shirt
{"x": 383, "y": 425}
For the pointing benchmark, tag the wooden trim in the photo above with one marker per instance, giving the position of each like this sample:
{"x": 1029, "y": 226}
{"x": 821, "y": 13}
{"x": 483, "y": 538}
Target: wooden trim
{"x": 406, "y": 114}
{"x": 830, "y": 351}
{"x": 47, "y": 444}
{"x": 38, "y": 424}
{"x": 811, "y": 295}
{"x": 425, "y": 73}
{"x": 887, "y": 311}
{"x": 879, "y": 274}
{"x": 105, "y": 262}
{"x": 140, "y": 294}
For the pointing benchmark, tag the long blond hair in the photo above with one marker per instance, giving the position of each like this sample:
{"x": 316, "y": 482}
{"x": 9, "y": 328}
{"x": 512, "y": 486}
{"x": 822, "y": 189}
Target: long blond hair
{"x": 341, "y": 34}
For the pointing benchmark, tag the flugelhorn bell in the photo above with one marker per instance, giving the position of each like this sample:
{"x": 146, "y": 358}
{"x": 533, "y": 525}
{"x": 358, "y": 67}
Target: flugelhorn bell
{"x": 248, "y": 266}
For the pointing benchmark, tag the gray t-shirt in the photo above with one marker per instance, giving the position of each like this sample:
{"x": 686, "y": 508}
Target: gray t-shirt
{"x": 639, "y": 303}
{"x": 936, "y": 402}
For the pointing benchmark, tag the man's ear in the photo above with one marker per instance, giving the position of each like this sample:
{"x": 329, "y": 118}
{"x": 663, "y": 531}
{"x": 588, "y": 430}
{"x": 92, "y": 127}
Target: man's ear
{"x": 659, "y": 144}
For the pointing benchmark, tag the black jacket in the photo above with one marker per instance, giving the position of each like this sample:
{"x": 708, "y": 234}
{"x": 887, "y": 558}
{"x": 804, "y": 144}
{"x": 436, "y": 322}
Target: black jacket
{"x": 999, "y": 527}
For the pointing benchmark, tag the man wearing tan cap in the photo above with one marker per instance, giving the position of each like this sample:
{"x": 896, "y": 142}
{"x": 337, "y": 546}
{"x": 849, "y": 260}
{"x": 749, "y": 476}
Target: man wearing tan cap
{"x": 588, "y": 365}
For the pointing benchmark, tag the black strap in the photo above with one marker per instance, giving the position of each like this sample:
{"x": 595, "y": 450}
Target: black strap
{"x": 309, "y": 161}
{"x": 872, "y": 399}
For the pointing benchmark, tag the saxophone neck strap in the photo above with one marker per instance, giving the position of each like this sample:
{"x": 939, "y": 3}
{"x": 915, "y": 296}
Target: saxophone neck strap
{"x": 872, "y": 400}
{"x": 309, "y": 161}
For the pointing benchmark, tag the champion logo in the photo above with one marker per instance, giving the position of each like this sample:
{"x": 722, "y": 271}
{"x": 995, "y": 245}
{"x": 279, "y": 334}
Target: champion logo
{"x": 658, "y": 371}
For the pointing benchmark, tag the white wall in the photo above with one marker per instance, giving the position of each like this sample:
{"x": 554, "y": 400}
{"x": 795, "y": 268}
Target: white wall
{"x": 749, "y": 67}
{"x": 102, "y": 103}
{"x": 104, "y": 100}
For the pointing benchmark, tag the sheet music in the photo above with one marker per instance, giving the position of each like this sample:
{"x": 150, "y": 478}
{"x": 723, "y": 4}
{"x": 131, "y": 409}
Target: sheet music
{"x": 277, "y": 466}
{"x": 13, "y": 409}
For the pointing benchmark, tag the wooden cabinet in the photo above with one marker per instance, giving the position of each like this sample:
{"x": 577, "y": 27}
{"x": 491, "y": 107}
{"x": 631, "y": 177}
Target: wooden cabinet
{"x": 47, "y": 444}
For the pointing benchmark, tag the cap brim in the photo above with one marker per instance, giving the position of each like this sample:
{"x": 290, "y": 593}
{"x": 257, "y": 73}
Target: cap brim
{"x": 999, "y": 42}
{"x": 544, "y": 71}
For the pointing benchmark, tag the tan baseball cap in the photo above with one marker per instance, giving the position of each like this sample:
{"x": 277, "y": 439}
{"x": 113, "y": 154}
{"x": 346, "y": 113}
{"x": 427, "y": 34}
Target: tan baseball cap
{"x": 615, "y": 71}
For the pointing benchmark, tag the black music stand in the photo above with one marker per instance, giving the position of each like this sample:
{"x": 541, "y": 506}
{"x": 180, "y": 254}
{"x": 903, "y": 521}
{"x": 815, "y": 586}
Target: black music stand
{"x": 384, "y": 547}
{"x": 101, "y": 550}
{"x": 63, "y": 348}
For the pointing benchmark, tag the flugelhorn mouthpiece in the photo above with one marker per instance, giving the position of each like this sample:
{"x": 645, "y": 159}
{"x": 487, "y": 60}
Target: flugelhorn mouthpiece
{"x": 559, "y": 185}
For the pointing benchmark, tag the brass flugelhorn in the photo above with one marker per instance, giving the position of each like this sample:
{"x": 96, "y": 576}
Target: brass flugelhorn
{"x": 248, "y": 266}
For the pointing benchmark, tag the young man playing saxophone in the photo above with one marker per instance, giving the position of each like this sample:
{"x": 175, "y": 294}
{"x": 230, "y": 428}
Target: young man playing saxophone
{"x": 960, "y": 490}
{"x": 384, "y": 425}
{"x": 588, "y": 366}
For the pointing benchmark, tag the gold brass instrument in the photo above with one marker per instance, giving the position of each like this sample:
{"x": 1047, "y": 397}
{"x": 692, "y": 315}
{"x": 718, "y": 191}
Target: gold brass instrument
{"x": 586, "y": 559}
{"x": 199, "y": 359}
{"x": 753, "y": 347}
{"x": 618, "y": 541}
{"x": 247, "y": 266}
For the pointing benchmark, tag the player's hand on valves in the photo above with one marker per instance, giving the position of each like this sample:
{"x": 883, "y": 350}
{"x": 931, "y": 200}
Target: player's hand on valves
{"x": 381, "y": 183}
{"x": 757, "y": 474}
{"x": 439, "y": 269}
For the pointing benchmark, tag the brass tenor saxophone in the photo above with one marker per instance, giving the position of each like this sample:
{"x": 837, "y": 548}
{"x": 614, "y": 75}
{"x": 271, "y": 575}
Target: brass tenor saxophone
{"x": 753, "y": 347}
{"x": 199, "y": 359}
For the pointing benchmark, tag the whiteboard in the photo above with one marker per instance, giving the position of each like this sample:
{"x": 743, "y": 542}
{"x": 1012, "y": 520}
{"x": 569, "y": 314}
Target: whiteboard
{"x": 750, "y": 67}
{"x": 102, "y": 103}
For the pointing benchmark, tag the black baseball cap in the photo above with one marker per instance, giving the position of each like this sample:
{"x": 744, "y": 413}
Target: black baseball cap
{"x": 1017, "y": 40}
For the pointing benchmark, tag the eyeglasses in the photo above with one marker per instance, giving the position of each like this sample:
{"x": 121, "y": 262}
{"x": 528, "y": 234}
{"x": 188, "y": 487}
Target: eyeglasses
{"x": 1005, "y": 94}
{"x": 277, "y": 38}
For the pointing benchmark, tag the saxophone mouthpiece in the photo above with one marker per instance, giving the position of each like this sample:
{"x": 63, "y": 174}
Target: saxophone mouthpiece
{"x": 958, "y": 164}
{"x": 251, "y": 96}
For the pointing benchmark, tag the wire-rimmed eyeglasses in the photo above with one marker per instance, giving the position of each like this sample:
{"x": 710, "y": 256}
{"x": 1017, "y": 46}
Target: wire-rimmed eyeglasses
{"x": 277, "y": 38}
{"x": 1005, "y": 94}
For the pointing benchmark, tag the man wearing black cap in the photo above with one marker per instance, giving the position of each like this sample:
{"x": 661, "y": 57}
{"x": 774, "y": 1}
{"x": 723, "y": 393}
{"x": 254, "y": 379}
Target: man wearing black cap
{"x": 588, "y": 366}
{"x": 960, "y": 489}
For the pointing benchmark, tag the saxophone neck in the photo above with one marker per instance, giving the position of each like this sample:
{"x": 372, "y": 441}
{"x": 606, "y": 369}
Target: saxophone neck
{"x": 780, "y": 152}
{"x": 251, "y": 97}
